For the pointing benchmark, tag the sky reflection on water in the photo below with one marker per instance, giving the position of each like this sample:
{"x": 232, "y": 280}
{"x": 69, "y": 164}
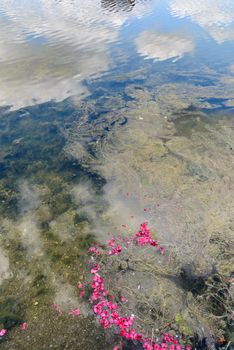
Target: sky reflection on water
{"x": 49, "y": 49}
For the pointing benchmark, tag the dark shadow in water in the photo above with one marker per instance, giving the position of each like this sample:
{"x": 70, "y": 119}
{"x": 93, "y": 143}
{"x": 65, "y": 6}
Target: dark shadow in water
{"x": 32, "y": 145}
{"x": 117, "y": 5}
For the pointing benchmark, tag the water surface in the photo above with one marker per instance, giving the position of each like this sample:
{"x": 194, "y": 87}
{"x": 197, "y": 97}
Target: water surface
{"x": 98, "y": 100}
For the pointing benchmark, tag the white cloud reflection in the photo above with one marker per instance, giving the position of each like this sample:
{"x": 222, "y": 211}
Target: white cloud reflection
{"x": 48, "y": 48}
{"x": 4, "y": 266}
{"x": 215, "y": 16}
{"x": 162, "y": 47}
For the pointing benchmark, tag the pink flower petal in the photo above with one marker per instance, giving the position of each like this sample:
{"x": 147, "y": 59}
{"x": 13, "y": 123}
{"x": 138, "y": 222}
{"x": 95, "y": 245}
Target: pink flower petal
{"x": 24, "y": 326}
{"x": 3, "y": 332}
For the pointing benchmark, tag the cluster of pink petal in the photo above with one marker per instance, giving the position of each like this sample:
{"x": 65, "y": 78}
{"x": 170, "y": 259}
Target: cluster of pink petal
{"x": 94, "y": 250}
{"x": 116, "y": 248}
{"x": 144, "y": 237}
{"x": 80, "y": 286}
{"x": 109, "y": 316}
{"x": 75, "y": 312}
{"x": 108, "y": 311}
{"x": 150, "y": 345}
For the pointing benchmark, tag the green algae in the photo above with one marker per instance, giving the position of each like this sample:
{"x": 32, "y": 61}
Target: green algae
{"x": 182, "y": 162}
{"x": 183, "y": 326}
{"x": 36, "y": 275}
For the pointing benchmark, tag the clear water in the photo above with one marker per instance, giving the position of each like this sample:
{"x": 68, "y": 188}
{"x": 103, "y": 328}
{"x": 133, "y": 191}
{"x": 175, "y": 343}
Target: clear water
{"x": 99, "y": 99}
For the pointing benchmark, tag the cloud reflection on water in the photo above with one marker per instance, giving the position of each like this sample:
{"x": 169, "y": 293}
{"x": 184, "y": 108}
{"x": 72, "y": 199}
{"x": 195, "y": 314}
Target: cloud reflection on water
{"x": 47, "y": 52}
{"x": 162, "y": 47}
{"x": 4, "y": 266}
{"x": 216, "y": 17}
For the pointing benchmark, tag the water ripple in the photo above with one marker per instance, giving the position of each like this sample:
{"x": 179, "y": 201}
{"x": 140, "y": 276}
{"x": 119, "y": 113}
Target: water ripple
{"x": 46, "y": 39}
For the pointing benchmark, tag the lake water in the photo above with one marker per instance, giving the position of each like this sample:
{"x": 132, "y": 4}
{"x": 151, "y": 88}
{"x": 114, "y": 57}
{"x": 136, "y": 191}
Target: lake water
{"x": 112, "y": 112}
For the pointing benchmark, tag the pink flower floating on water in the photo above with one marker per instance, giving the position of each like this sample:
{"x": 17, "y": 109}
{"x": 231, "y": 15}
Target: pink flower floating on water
{"x": 75, "y": 312}
{"x": 95, "y": 269}
{"x": 3, "y": 332}
{"x": 123, "y": 299}
{"x": 94, "y": 250}
{"x": 24, "y": 326}
{"x": 80, "y": 286}
{"x": 108, "y": 310}
{"x": 144, "y": 236}
{"x": 117, "y": 347}
{"x": 82, "y": 294}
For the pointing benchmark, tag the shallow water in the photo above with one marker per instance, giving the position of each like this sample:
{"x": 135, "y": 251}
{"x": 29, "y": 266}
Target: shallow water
{"x": 108, "y": 108}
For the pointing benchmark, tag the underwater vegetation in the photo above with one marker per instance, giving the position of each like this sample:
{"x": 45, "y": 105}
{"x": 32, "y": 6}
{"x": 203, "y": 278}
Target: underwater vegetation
{"x": 180, "y": 162}
{"x": 73, "y": 173}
